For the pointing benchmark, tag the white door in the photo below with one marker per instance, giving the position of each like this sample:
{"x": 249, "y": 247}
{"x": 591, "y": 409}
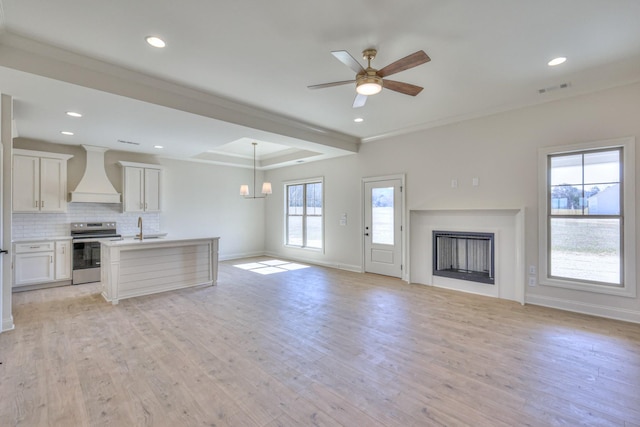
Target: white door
{"x": 383, "y": 227}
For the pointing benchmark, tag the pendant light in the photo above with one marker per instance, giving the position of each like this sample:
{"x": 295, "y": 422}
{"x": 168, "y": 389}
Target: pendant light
{"x": 266, "y": 186}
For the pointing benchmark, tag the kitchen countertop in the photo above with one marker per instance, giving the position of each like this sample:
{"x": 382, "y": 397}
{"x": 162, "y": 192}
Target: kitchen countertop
{"x": 41, "y": 239}
{"x": 146, "y": 235}
{"x": 131, "y": 241}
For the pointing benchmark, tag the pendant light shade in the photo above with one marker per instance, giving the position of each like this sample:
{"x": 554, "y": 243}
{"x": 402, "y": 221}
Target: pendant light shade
{"x": 266, "y": 186}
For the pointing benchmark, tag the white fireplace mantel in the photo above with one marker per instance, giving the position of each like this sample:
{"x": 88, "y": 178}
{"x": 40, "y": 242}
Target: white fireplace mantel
{"x": 506, "y": 224}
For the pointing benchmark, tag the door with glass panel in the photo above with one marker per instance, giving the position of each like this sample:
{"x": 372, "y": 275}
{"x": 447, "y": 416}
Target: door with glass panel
{"x": 383, "y": 227}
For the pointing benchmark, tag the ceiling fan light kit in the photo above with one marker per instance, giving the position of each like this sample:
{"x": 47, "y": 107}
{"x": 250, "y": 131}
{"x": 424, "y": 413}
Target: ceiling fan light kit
{"x": 368, "y": 85}
{"x": 370, "y": 81}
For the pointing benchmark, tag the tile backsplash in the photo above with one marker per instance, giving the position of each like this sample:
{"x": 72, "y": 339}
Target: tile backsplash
{"x": 47, "y": 225}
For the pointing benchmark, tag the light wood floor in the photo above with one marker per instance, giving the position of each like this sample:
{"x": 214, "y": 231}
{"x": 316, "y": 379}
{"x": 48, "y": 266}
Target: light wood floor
{"x": 312, "y": 347}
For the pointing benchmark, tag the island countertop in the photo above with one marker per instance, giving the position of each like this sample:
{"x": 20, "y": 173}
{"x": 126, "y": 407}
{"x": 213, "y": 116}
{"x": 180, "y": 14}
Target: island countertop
{"x": 132, "y": 267}
{"x": 132, "y": 241}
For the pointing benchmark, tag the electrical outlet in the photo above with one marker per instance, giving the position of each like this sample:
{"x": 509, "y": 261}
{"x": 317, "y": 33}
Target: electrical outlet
{"x": 532, "y": 269}
{"x": 532, "y": 281}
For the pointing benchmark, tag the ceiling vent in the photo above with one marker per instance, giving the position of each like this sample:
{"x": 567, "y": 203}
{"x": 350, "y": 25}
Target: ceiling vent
{"x": 552, "y": 88}
{"x": 122, "y": 141}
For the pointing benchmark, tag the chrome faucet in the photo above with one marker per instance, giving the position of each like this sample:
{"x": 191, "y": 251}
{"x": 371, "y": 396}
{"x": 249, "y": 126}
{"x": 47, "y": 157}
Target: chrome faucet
{"x": 139, "y": 236}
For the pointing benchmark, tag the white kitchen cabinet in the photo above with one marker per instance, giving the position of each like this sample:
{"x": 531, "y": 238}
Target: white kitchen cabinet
{"x": 63, "y": 258}
{"x": 141, "y": 187}
{"x": 39, "y": 181}
{"x": 34, "y": 263}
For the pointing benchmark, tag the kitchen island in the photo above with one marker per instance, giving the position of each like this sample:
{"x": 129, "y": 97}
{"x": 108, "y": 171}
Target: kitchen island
{"x": 132, "y": 267}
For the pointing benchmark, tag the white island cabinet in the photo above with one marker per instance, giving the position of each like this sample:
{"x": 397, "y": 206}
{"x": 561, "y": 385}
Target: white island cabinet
{"x": 132, "y": 268}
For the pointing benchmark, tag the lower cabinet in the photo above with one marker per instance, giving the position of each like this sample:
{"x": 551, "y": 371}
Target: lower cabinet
{"x": 63, "y": 260}
{"x": 41, "y": 262}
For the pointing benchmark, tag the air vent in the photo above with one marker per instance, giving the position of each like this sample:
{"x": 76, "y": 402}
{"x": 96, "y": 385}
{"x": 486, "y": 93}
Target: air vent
{"x": 552, "y": 88}
{"x": 128, "y": 142}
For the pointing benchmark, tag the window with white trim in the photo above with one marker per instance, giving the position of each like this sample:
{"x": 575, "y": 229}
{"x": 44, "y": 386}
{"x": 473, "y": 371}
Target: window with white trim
{"x": 304, "y": 214}
{"x": 587, "y": 216}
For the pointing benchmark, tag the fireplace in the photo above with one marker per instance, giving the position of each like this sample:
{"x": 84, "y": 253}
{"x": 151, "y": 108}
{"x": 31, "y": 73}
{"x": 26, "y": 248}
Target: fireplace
{"x": 464, "y": 256}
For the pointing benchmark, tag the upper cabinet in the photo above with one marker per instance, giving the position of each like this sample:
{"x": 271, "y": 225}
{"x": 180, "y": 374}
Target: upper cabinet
{"x": 141, "y": 185}
{"x": 39, "y": 181}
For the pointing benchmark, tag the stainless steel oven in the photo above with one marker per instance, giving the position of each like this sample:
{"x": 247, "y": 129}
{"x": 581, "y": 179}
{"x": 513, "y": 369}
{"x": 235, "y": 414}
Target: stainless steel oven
{"x": 86, "y": 237}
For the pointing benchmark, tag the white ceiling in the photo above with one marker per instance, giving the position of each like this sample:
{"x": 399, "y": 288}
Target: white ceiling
{"x": 234, "y": 72}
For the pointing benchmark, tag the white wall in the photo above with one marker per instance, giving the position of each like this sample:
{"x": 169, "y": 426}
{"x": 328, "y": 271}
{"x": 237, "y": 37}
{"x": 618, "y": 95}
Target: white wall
{"x": 201, "y": 199}
{"x": 500, "y": 150}
{"x": 343, "y": 245}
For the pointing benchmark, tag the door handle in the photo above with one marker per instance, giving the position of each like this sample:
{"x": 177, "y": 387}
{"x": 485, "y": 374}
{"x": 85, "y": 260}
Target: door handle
{"x": 4, "y": 251}
{"x": 366, "y": 234}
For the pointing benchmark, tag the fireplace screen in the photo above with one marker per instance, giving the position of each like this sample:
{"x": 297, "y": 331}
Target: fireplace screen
{"x": 464, "y": 256}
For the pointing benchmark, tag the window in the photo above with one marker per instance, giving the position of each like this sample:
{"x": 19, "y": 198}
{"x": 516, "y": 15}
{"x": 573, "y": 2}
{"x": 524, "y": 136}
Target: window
{"x": 304, "y": 205}
{"x": 587, "y": 217}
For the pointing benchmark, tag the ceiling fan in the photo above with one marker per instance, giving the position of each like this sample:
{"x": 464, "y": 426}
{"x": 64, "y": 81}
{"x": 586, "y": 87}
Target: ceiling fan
{"x": 370, "y": 81}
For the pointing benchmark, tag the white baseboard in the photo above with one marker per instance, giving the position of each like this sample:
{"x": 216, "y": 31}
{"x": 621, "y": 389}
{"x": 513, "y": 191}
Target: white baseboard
{"x": 585, "y": 308}
{"x": 339, "y": 266}
{"x": 239, "y": 255}
{"x": 7, "y": 324}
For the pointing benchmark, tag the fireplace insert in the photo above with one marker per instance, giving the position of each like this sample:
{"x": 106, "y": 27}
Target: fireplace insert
{"x": 464, "y": 256}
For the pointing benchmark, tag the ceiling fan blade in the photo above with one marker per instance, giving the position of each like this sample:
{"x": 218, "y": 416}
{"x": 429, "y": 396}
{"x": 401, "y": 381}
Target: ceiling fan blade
{"x": 406, "y": 88}
{"x": 359, "y": 101}
{"x": 323, "y": 85}
{"x": 348, "y": 60}
{"x": 405, "y": 63}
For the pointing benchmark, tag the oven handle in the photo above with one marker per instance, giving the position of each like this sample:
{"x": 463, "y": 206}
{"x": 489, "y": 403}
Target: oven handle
{"x": 95, "y": 239}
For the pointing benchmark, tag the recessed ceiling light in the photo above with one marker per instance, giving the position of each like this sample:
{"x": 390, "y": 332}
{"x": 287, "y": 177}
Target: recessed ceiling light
{"x": 73, "y": 114}
{"x": 556, "y": 61}
{"x": 358, "y": 120}
{"x": 66, "y": 132}
{"x": 156, "y": 41}
{"x": 158, "y": 147}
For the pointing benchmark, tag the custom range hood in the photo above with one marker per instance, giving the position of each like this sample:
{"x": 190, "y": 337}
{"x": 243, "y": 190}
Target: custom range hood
{"x": 95, "y": 187}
